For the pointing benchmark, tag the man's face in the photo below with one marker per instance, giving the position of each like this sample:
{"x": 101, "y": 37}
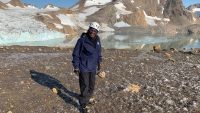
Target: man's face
{"x": 92, "y": 32}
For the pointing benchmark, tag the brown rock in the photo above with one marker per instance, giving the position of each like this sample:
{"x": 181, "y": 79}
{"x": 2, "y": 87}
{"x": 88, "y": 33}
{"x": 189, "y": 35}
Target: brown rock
{"x": 2, "y": 5}
{"x": 17, "y": 3}
{"x": 136, "y": 18}
{"x": 157, "y": 48}
{"x": 177, "y": 13}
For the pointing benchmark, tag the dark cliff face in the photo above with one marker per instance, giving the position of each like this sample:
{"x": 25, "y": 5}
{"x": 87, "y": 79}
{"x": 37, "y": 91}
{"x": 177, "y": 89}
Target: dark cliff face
{"x": 191, "y": 7}
{"x": 177, "y": 13}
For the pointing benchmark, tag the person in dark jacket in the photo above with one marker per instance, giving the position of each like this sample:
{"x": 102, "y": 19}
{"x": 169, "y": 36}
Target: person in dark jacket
{"x": 87, "y": 62}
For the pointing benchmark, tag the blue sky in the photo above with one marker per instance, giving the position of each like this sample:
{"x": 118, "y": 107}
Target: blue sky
{"x": 69, "y": 3}
{"x": 189, "y": 2}
{"x": 59, "y": 3}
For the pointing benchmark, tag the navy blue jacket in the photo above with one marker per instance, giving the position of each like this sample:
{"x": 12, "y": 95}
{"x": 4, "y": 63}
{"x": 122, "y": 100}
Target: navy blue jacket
{"x": 87, "y": 54}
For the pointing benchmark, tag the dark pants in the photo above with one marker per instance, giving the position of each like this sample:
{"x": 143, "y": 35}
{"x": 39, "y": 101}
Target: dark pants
{"x": 87, "y": 83}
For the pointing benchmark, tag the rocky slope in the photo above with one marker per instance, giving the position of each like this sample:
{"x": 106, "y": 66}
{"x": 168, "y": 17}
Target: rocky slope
{"x": 16, "y": 3}
{"x": 2, "y": 5}
{"x": 161, "y": 82}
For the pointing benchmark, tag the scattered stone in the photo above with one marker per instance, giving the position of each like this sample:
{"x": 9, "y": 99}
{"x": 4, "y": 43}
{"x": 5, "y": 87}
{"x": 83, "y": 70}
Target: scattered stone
{"x": 168, "y": 55}
{"x": 171, "y": 59}
{"x": 40, "y": 49}
{"x": 55, "y": 90}
{"x": 47, "y": 67}
{"x": 157, "y": 48}
{"x": 22, "y": 82}
{"x": 132, "y": 88}
{"x": 170, "y": 102}
{"x": 185, "y": 109}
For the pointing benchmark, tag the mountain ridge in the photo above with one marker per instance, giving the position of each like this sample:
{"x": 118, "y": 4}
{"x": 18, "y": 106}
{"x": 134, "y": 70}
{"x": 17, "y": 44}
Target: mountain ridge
{"x": 161, "y": 16}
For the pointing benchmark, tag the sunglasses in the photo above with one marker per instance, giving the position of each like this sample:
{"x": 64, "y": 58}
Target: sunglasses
{"x": 93, "y": 30}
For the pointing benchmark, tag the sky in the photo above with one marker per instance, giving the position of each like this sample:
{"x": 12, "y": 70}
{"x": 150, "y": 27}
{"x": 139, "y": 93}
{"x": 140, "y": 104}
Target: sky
{"x": 189, "y": 2}
{"x": 69, "y": 3}
{"x": 59, "y": 3}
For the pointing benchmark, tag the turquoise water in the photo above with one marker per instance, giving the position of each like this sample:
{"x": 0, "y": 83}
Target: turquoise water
{"x": 129, "y": 41}
{"x": 147, "y": 42}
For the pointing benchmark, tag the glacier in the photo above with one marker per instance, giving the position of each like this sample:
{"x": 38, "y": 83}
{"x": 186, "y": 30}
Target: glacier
{"x": 16, "y": 38}
{"x": 19, "y": 26}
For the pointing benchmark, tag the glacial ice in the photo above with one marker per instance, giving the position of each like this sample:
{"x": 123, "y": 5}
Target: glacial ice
{"x": 14, "y": 38}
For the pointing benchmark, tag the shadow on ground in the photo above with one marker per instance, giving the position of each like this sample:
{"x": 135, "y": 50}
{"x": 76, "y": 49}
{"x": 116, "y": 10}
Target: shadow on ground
{"x": 50, "y": 82}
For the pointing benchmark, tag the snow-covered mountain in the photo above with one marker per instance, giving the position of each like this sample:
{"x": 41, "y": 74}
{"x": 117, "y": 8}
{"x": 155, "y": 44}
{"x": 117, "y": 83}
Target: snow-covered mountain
{"x": 158, "y": 16}
{"x": 195, "y": 8}
{"x": 18, "y": 24}
{"x": 116, "y": 15}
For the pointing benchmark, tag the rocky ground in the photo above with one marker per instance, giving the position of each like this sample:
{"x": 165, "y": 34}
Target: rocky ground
{"x": 168, "y": 81}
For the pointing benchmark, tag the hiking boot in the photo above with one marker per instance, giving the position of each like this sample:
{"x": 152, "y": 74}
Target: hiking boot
{"x": 85, "y": 109}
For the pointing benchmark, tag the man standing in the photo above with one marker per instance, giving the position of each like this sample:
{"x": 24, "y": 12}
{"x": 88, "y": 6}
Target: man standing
{"x": 86, "y": 61}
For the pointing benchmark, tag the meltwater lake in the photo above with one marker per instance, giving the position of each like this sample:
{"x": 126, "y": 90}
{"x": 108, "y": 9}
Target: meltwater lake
{"x": 117, "y": 41}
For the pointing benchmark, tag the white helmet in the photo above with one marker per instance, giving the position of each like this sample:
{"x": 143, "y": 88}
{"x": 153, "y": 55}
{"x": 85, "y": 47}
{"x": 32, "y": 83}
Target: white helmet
{"x": 95, "y": 25}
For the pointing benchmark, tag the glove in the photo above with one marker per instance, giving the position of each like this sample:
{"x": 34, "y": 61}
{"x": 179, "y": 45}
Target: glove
{"x": 76, "y": 71}
{"x": 99, "y": 67}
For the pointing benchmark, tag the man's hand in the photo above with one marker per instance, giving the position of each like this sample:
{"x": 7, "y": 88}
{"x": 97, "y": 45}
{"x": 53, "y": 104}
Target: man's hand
{"x": 76, "y": 71}
{"x": 99, "y": 67}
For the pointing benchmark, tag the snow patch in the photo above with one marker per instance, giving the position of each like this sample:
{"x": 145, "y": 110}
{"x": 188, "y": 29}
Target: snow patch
{"x": 194, "y": 19}
{"x": 59, "y": 26}
{"x": 81, "y": 17}
{"x": 96, "y": 2}
{"x": 104, "y": 27}
{"x": 132, "y": 1}
{"x": 121, "y": 9}
{"x": 195, "y": 9}
{"x": 66, "y": 19}
{"x": 121, "y": 24}
{"x": 89, "y": 11}
{"x": 151, "y": 20}
{"x": 158, "y": 1}
{"x": 163, "y": 9}
{"x": 31, "y": 7}
{"x": 50, "y": 7}
{"x": 13, "y": 7}
{"x": 5, "y": 1}
{"x": 46, "y": 15}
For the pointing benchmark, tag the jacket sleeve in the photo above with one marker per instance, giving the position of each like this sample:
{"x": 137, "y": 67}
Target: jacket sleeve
{"x": 76, "y": 54}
